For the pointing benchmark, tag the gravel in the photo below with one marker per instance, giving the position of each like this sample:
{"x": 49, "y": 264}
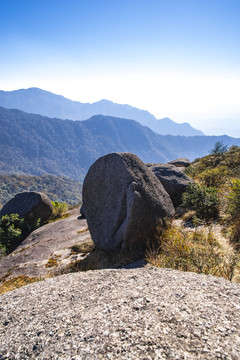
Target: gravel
{"x": 144, "y": 313}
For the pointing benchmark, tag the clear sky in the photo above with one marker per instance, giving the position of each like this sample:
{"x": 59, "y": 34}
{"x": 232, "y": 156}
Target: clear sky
{"x": 174, "y": 58}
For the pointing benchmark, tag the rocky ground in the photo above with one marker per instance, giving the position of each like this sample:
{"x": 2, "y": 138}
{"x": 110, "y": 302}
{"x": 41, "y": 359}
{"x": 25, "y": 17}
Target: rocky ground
{"x": 47, "y": 249}
{"x": 145, "y": 313}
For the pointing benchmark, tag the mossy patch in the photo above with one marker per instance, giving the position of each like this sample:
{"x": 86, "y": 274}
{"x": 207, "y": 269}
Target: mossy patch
{"x": 82, "y": 231}
{"x": 52, "y": 262}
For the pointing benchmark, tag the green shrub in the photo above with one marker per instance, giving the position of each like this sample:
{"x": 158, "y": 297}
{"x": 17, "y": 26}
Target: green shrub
{"x": 13, "y": 231}
{"x": 233, "y": 209}
{"x": 202, "y": 199}
{"x": 200, "y": 165}
{"x": 59, "y": 208}
{"x": 213, "y": 177}
{"x": 59, "y": 212}
{"x": 234, "y": 148}
{"x": 234, "y": 200}
{"x": 230, "y": 160}
{"x": 3, "y": 251}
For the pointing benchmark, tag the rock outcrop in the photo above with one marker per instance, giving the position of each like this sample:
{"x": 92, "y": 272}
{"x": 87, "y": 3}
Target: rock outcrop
{"x": 123, "y": 202}
{"x": 173, "y": 180}
{"x": 30, "y": 205}
{"x": 46, "y": 249}
{"x": 181, "y": 162}
{"x": 146, "y": 313}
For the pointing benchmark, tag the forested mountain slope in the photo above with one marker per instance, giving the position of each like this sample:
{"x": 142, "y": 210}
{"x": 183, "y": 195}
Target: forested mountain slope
{"x": 37, "y": 145}
{"x": 57, "y": 188}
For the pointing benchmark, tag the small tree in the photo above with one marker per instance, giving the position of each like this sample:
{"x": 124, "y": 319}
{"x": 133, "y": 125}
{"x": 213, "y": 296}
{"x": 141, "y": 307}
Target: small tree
{"x": 219, "y": 148}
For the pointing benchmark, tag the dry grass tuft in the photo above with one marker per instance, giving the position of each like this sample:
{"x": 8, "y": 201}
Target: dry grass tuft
{"x": 84, "y": 247}
{"x": 197, "y": 251}
{"x": 189, "y": 215}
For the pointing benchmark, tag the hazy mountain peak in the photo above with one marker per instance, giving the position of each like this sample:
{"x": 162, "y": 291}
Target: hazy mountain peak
{"x": 103, "y": 101}
{"x": 35, "y": 100}
{"x": 36, "y": 89}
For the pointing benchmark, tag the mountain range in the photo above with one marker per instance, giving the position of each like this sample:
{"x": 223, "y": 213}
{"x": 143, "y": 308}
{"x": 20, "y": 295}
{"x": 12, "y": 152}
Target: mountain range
{"x": 36, "y": 145}
{"x": 38, "y": 101}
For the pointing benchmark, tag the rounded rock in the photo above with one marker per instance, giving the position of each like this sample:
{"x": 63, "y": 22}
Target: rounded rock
{"x": 181, "y": 162}
{"x": 30, "y": 205}
{"x": 123, "y": 202}
{"x": 173, "y": 180}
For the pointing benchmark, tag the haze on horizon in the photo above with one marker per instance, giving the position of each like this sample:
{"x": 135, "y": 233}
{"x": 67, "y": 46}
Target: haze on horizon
{"x": 175, "y": 58}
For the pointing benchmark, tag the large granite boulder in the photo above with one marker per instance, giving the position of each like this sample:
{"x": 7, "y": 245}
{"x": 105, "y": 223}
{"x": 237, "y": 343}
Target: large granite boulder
{"x": 173, "y": 180}
{"x": 30, "y": 205}
{"x": 181, "y": 162}
{"x": 123, "y": 202}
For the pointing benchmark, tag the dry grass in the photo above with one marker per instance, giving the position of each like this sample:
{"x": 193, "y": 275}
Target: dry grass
{"x": 197, "y": 251}
{"x": 189, "y": 215}
{"x": 54, "y": 218}
{"x": 17, "y": 282}
{"x": 83, "y": 247}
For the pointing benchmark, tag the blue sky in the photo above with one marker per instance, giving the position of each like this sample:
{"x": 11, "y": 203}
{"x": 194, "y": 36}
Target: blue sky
{"x": 175, "y": 58}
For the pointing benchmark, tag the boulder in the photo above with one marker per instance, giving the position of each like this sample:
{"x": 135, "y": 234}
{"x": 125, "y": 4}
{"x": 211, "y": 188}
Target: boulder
{"x": 82, "y": 211}
{"x": 173, "y": 180}
{"x": 30, "y": 205}
{"x": 181, "y": 162}
{"x": 123, "y": 202}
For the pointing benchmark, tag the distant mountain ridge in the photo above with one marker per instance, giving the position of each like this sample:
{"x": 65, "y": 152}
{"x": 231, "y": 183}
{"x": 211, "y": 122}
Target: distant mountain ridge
{"x": 36, "y": 145}
{"x": 38, "y": 101}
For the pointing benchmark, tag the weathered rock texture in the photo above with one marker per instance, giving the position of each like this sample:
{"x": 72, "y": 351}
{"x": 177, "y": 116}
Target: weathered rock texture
{"x": 123, "y": 201}
{"x": 122, "y": 314}
{"x": 181, "y": 162}
{"x": 30, "y": 205}
{"x": 46, "y": 249}
{"x": 173, "y": 180}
